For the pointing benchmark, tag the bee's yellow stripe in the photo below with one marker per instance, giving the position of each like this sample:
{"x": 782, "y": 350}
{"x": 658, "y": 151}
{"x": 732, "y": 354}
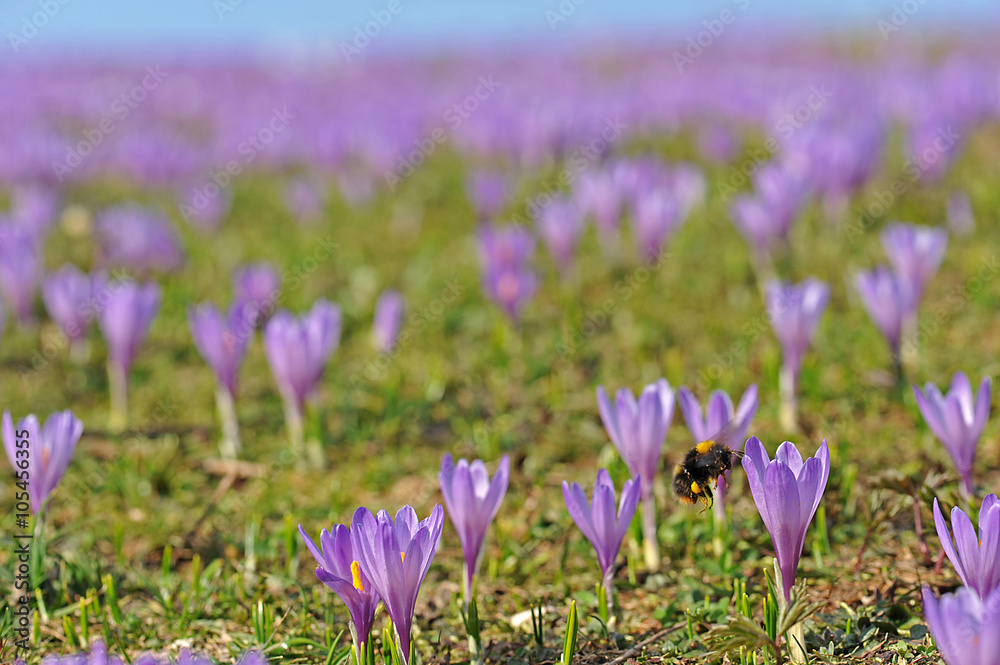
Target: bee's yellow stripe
{"x": 704, "y": 447}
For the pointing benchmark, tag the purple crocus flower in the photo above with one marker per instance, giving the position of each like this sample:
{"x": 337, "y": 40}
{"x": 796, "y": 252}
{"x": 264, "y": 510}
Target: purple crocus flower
{"x": 598, "y": 196}
{"x": 966, "y": 629}
{"x": 655, "y": 216}
{"x": 507, "y": 277}
{"x": 975, "y": 558}
{"x": 124, "y": 321}
{"x": 794, "y": 311}
{"x": 787, "y": 491}
{"x": 597, "y": 520}
{"x": 638, "y": 428}
{"x": 339, "y": 568}
{"x": 35, "y": 208}
{"x": 719, "y": 412}
{"x": 890, "y": 302}
{"x": 915, "y": 253}
{"x": 257, "y": 286}
{"x": 184, "y": 658}
{"x": 98, "y": 656}
{"x": 219, "y": 341}
{"x": 387, "y": 320}
{"x": 560, "y": 225}
{"x": 222, "y": 342}
{"x": 488, "y": 192}
{"x": 50, "y": 449}
{"x": 20, "y": 270}
{"x": 396, "y": 555}
{"x": 297, "y": 351}
{"x": 68, "y": 294}
{"x": 472, "y": 501}
{"x": 957, "y": 419}
{"x": 137, "y": 238}
{"x": 766, "y": 217}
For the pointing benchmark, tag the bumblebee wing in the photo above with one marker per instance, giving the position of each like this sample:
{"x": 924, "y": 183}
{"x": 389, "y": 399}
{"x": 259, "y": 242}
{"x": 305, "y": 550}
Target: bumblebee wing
{"x": 727, "y": 437}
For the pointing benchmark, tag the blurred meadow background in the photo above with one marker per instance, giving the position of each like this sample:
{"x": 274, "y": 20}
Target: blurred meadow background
{"x": 562, "y": 195}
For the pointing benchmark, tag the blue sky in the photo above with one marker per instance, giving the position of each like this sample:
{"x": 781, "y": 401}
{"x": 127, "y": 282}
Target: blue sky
{"x": 310, "y": 27}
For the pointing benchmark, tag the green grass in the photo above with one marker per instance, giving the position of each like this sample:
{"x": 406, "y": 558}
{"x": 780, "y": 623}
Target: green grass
{"x": 214, "y": 563}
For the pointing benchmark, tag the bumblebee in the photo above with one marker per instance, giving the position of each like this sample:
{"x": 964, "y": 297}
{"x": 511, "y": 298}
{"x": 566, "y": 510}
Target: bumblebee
{"x": 699, "y": 471}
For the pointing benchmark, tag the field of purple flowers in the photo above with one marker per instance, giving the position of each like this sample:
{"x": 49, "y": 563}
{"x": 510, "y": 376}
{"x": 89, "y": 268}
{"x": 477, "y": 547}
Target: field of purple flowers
{"x": 411, "y": 361}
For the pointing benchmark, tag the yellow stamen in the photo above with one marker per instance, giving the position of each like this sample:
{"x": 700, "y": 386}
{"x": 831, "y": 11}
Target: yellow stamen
{"x": 402, "y": 557}
{"x": 356, "y": 574}
{"x": 704, "y": 447}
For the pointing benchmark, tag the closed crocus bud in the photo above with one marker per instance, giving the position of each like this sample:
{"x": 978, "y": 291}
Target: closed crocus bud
{"x": 44, "y": 452}
{"x": 600, "y": 523}
{"x": 257, "y": 286}
{"x": 655, "y": 216}
{"x": 507, "y": 276}
{"x": 387, "y": 320}
{"x": 976, "y": 557}
{"x": 915, "y": 252}
{"x": 20, "y": 271}
{"x": 787, "y": 491}
{"x": 966, "y": 628}
{"x": 794, "y": 311}
{"x": 124, "y": 321}
{"x": 957, "y": 420}
{"x": 560, "y": 225}
{"x": 297, "y": 350}
{"x": 139, "y": 239}
{"x": 35, "y": 207}
{"x": 472, "y": 500}
{"x": 889, "y": 301}
{"x": 598, "y": 197}
{"x": 638, "y": 429}
{"x": 68, "y": 294}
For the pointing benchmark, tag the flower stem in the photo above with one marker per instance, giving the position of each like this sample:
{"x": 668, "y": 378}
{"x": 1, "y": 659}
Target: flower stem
{"x": 118, "y": 386}
{"x": 650, "y": 546}
{"x": 788, "y": 414}
{"x": 293, "y": 421}
{"x": 230, "y": 446}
